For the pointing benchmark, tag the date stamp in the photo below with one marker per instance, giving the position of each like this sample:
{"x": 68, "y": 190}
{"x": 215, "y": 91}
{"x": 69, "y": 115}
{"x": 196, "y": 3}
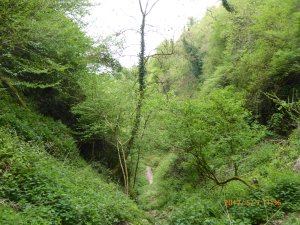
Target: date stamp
{"x": 252, "y": 202}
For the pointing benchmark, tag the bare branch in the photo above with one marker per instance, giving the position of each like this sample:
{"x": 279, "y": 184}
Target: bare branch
{"x": 146, "y": 6}
{"x": 152, "y": 6}
{"x": 118, "y": 33}
{"x": 222, "y": 183}
{"x": 132, "y": 17}
{"x": 160, "y": 54}
{"x": 141, "y": 7}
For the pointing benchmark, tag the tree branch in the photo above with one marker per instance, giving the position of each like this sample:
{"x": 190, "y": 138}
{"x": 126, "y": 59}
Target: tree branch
{"x": 152, "y": 6}
{"x": 146, "y": 6}
{"x": 141, "y": 7}
{"x": 210, "y": 174}
{"x": 222, "y": 183}
{"x": 160, "y": 54}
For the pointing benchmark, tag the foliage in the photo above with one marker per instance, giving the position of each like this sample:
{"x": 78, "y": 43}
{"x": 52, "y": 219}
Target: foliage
{"x": 105, "y": 117}
{"x": 194, "y": 118}
{"x": 158, "y": 195}
{"x": 108, "y": 100}
{"x": 259, "y": 206}
{"x": 32, "y": 127}
{"x": 54, "y": 192}
{"x": 286, "y": 189}
{"x": 250, "y": 48}
{"x": 196, "y": 211}
{"x": 224, "y": 136}
{"x": 10, "y": 216}
{"x": 288, "y": 193}
{"x": 254, "y": 209}
{"x": 176, "y": 67}
{"x": 194, "y": 57}
{"x": 44, "y": 52}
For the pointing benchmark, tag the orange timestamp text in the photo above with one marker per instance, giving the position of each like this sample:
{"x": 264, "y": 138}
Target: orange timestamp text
{"x": 252, "y": 202}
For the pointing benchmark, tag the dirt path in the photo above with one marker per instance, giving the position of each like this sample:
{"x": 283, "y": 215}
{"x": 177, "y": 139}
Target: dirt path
{"x": 149, "y": 174}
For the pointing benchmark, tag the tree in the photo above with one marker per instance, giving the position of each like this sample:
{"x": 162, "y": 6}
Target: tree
{"x": 215, "y": 131}
{"x": 42, "y": 52}
{"x": 113, "y": 125}
{"x": 141, "y": 80}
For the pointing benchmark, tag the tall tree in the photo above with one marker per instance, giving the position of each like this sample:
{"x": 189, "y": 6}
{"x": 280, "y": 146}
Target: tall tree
{"x": 141, "y": 91}
{"x": 42, "y": 52}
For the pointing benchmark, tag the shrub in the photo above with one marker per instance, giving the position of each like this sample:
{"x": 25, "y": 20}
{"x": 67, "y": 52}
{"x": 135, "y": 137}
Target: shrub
{"x": 288, "y": 192}
{"x": 196, "y": 211}
{"x": 255, "y": 210}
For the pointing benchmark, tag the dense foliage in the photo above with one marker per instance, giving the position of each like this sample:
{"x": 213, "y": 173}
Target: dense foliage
{"x": 214, "y": 115}
{"x": 38, "y": 189}
{"x": 44, "y": 54}
{"x": 232, "y": 85}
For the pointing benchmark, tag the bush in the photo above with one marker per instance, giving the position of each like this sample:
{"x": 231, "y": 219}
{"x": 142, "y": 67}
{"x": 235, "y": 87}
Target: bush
{"x": 280, "y": 187}
{"x": 280, "y": 124}
{"x": 287, "y": 192}
{"x": 196, "y": 211}
{"x": 255, "y": 211}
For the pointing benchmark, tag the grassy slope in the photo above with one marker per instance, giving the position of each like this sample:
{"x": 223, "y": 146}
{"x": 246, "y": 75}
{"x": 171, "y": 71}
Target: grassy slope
{"x": 57, "y": 188}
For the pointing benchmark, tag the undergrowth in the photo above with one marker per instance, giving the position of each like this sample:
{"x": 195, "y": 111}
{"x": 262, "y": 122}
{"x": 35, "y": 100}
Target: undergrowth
{"x": 36, "y": 188}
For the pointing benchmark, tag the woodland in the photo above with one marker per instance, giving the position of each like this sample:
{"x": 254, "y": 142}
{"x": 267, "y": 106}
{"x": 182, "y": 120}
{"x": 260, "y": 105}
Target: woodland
{"x": 213, "y": 117}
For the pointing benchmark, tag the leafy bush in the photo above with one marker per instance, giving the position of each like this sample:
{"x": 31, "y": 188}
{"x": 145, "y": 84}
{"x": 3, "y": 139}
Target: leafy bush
{"x": 280, "y": 124}
{"x": 284, "y": 184}
{"x": 279, "y": 189}
{"x": 255, "y": 210}
{"x": 195, "y": 211}
{"x": 51, "y": 53}
{"x": 288, "y": 192}
{"x": 292, "y": 220}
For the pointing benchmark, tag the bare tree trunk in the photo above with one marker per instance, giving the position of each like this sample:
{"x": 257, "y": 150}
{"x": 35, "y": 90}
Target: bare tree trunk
{"x": 123, "y": 165}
